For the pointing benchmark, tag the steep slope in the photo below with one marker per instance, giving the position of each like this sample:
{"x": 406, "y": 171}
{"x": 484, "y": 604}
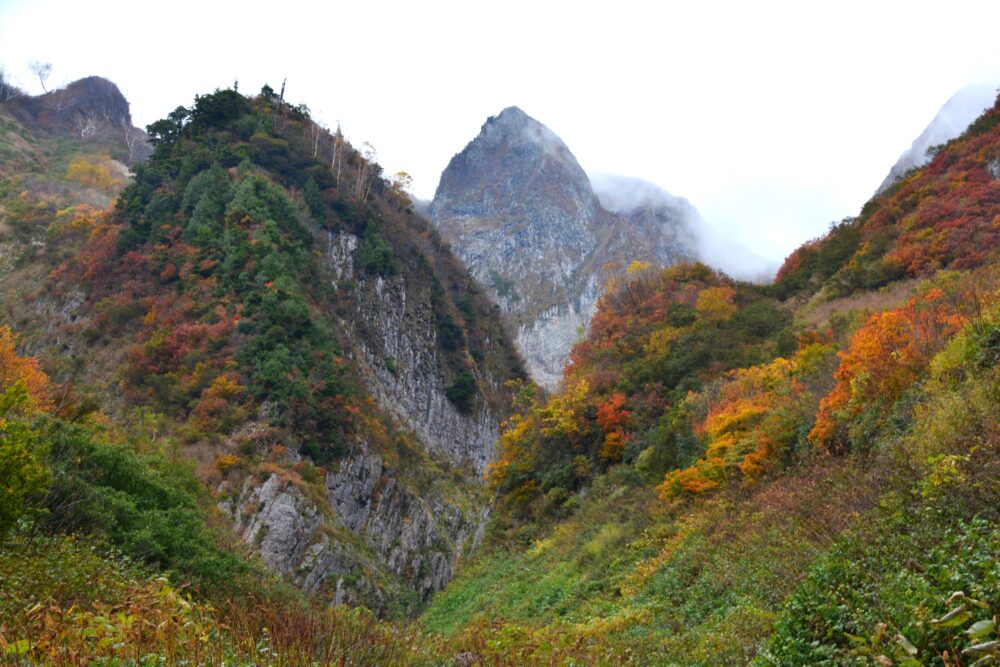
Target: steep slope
{"x": 731, "y": 475}
{"x": 957, "y": 113}
{"x": 942, "y": 216}
{"x": 335, "y": 373}
{"x": 520, "y": 212}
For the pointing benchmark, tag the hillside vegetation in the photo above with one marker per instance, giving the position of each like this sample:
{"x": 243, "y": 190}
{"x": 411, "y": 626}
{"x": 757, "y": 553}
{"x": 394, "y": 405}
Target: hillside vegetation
{"x": 806, "y": 473}
{"x": 720, "y": 481}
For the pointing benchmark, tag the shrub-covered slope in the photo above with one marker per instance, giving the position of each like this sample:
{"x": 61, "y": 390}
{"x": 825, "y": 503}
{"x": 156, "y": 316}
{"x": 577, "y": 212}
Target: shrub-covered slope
{"x": 731, "y": 475}
{"x": 942, "y": 216}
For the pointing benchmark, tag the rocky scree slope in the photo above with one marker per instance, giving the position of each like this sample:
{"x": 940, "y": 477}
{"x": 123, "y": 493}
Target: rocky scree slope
{"x": 521, "y": 213}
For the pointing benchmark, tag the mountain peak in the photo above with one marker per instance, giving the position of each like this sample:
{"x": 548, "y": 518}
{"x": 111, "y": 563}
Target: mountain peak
{"x": 513, "y": 114}
{"x": 92, "y": 108}
{"x": 514, "y": 126}
{"x": 522, "y": 214}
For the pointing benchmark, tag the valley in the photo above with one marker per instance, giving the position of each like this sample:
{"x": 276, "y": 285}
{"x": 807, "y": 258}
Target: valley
{"x": 256, "y": 408}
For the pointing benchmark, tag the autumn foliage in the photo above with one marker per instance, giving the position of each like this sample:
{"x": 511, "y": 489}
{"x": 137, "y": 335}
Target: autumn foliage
{"x": 16, "y": 369}
{"x": 942, "y": 216}
{"x": 891, "y": 352}
{"x": 657, "y": 335}
{"x": 752, "y": 420}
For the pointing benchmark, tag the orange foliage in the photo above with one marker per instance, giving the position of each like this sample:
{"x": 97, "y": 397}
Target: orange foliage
{"x": 16, "y": 369}
{"x": 611, "y": 417}
{"x": 885, "y": 357}
{"x": 751, "y": 418}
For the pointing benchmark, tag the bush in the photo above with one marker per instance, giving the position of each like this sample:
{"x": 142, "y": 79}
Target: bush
{"x": 462, "y": 392}
{"x": 23, "y": 476}
{"x": 375, "y": 254}
{"x": 146, "y": 506}
{"x": 449, "y": 333}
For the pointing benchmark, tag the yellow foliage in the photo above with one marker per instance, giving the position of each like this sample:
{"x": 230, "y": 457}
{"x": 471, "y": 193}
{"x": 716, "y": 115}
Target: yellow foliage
{"x": 716, "y": 304}
{"x": 636, "y": 267}
{"x": 560, "y": 415}
{"x": 92, "y": 171}
{"x": 659, "y": 341}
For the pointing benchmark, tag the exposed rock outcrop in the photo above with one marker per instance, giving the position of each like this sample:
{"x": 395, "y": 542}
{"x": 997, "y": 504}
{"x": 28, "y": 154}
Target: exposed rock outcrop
{"x": 90, "y": 109}
{"x": 395, "y": 331}
{"x": 371, "y": 529}
{"x": 521, "y": 213}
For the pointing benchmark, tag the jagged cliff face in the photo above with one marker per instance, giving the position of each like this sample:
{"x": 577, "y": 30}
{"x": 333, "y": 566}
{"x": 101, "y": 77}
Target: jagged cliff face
{"x": 374, "y": 539}
{"x": 521, "y": 213}
{"x": 412, "y": 528}
{"x": 394, "y": 320}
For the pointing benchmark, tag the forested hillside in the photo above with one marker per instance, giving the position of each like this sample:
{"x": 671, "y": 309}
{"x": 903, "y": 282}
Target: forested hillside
{"x": 253, "y": 411}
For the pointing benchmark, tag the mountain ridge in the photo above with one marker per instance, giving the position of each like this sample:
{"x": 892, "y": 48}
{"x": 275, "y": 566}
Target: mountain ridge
{"x": 950, "y": 121}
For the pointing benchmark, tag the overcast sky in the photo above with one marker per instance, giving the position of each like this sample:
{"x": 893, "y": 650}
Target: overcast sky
{"x": 773, "y": 118}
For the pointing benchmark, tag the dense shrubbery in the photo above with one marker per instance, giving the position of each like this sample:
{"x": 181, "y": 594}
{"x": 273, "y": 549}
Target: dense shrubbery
{"x": 657, "y": 336}
{"x": 907, "y": 408}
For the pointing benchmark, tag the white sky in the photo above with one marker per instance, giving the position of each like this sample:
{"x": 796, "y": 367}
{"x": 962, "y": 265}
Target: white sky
{"x": 773, "y": 118}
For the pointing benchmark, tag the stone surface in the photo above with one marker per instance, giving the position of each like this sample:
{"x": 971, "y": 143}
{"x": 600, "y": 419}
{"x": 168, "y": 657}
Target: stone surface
{"x": 521, "y": 213}
{"x": 412, "y": 536}
{"x": 395, "y": 333}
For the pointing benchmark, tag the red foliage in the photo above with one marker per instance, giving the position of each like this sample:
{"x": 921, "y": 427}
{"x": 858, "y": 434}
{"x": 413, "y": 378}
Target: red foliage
{"x": 944, "y": 216}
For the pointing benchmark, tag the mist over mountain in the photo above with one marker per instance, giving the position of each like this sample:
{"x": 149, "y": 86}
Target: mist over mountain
{"x": 520, "y": 211}
{"x": 642, "y": 202}
{"x": 961, "y": 109}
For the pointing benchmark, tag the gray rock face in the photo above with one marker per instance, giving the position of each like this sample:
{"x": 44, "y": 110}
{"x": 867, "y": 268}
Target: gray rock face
{"x": 410, "y": 536}
{"x": 521, "y": 213}
{"x": 952, "y": 120}
{"x": 278, "y": 519}
{"x": 379, "y": 530}
{"x": 396, "y": 334}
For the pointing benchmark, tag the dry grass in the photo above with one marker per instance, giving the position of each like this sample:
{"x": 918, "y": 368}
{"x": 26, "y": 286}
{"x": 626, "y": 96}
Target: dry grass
{"x": 819, "y": 309}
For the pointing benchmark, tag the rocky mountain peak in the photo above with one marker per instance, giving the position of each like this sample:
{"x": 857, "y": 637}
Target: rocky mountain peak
{"x": 512, "y": 161}
{"x": 515, "y": 126}
{"x": 522, "y": 214}
{"x": 88, "y": 109}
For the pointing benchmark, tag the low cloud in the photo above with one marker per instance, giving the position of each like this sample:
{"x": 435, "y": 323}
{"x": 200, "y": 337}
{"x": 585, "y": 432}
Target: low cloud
{"x": 622, "y": 194}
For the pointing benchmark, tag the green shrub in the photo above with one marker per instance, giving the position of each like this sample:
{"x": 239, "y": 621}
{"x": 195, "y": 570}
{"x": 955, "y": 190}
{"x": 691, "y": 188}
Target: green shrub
{"x": 462, "y": 392}
{"x": 375, "y": 254}
{"x": 146, "y": 506}
{"x": 23, "y": 475}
